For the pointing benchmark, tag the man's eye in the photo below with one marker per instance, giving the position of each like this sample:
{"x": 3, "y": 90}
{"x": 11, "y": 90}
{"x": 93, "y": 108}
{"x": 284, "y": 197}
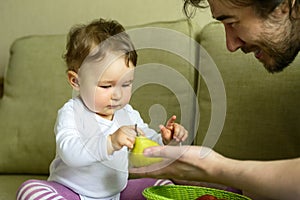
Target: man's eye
{"x": 233, "y": 24}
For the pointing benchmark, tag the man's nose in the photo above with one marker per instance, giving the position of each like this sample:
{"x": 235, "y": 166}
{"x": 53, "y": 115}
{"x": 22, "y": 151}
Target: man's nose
{"x": 233, "y": 42}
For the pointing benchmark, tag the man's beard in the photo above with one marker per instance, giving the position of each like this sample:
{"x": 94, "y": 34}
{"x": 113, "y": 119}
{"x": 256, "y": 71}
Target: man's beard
{"x": 280, "y": 60}
{"x": 282, "y": 52}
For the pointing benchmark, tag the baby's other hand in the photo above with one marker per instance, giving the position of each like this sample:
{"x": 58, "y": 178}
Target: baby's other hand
{"x": 173, "y": 131}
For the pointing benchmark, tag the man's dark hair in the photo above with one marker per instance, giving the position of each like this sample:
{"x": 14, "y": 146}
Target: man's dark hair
{"x": 262, "y": 7}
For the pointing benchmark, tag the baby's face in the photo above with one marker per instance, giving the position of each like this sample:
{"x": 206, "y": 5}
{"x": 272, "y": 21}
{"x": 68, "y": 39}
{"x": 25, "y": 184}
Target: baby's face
{"x": 106, "y": 86}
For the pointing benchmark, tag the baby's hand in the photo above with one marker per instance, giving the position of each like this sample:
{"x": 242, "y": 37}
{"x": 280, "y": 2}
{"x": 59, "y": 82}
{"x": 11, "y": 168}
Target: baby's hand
{"x": 172, "y": 131}
{"x": 124, "y": 136}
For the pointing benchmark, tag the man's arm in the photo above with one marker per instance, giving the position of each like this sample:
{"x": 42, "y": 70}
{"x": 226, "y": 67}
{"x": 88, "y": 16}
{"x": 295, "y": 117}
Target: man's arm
{"x": 273, "y": 179}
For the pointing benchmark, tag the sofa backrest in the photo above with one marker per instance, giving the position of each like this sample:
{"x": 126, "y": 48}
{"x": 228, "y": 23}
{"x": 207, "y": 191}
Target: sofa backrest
{"x": 261, "y": 109}
{"x": 36, "y": 87}
{"x": 263, "y": 115}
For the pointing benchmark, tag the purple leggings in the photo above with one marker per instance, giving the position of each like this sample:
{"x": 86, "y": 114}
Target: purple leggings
{"x": 50, "y": 190}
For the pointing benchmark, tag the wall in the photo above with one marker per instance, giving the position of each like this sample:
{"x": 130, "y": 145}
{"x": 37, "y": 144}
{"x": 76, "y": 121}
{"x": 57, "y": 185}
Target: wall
{"x": 19, "y": 18}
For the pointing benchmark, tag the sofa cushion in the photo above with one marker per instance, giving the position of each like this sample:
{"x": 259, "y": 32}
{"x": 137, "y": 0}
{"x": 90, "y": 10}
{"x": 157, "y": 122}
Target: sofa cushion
{"x": 262, "y": 118}
{"x": 9, "y": 184}
{"x": 36, "y": 87}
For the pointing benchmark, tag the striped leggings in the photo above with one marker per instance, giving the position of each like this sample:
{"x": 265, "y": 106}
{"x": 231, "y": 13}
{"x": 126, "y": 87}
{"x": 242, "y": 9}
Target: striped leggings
{"x": 50, "y": 190}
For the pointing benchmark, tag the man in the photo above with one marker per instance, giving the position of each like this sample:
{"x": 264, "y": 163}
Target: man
{"x": 269, "y": 29}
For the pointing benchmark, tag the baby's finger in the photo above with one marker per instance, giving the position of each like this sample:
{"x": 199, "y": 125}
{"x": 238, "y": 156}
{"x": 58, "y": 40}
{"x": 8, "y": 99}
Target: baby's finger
{"x": 184, "y": 135}
{"x": 176, "y": 132}
{"x": 180, "y": 134}
{"x": 128, "y": 130}
{"x": 129, "y": 143}
{"x": 164, "y": 130}
{"x": 170, "y": 122}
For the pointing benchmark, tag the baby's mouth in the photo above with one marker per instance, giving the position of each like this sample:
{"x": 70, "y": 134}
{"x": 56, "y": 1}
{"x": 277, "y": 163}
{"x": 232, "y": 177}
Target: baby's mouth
{"x": 113, "y": 106}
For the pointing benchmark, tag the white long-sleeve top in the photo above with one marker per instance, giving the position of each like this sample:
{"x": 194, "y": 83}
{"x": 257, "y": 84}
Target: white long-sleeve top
{"x": 82, "y": 162}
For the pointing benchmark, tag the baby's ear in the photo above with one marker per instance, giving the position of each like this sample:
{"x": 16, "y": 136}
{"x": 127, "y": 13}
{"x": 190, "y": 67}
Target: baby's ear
{"x": 73, "y": 80}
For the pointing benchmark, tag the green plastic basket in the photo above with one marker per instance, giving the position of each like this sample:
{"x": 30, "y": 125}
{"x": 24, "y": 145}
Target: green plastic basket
{"x": 182, "y": 192}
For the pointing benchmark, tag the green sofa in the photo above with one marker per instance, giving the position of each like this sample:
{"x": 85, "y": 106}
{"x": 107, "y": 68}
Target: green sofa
{"x": 227, "y": 101}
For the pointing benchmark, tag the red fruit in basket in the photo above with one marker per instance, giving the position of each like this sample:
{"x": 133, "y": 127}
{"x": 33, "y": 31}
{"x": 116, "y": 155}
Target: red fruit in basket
{"x": 207, "y": 197}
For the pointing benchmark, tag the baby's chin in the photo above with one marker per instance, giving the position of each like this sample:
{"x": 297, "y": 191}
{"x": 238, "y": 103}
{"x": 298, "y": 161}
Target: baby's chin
{"x": 106, "y": 116}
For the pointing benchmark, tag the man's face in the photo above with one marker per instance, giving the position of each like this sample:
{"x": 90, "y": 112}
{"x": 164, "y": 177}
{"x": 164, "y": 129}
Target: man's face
{"x": 273, "y": 40}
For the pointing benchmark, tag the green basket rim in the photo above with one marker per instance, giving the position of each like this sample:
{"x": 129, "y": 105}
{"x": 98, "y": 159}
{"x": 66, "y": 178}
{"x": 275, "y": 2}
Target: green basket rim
{"x": 148, "y": 192}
